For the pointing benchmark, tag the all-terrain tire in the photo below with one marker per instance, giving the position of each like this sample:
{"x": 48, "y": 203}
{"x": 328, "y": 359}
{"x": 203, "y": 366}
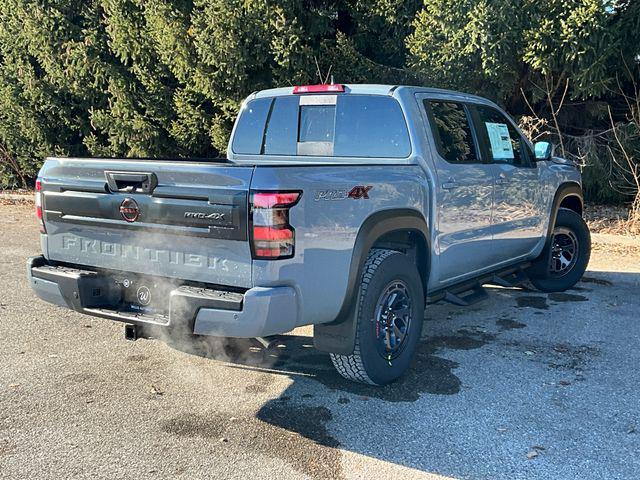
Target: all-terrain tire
{"x": 366, "y": 364}
{"x": 542, "y": 275}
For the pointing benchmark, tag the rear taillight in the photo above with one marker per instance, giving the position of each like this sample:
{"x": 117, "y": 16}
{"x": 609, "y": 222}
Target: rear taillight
{"x": 38, "y": 202}
{"x": 272, "y": 237}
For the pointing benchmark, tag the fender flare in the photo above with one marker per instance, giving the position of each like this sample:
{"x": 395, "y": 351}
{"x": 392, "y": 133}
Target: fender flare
{"x": 338, "y": 336}
{"x": 567, "y": 189}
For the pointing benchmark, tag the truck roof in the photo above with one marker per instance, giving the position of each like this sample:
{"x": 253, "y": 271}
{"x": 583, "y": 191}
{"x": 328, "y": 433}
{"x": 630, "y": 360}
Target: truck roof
{"x": 373, "y": 89}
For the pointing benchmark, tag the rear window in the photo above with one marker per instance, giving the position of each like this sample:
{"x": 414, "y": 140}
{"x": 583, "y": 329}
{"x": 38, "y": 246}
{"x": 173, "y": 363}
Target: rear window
{"x": 323, "y": 125}
{"x": 280, "y": 137}
{"x": 248, "y": 135}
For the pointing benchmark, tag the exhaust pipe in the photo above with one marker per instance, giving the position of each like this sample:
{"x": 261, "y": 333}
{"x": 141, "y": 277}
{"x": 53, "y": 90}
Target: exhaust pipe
{"x": 131, "y": 332}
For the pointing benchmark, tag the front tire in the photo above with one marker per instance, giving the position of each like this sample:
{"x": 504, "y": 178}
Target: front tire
{"x": 389, "y": 320}
{"x": 564, "y": 261}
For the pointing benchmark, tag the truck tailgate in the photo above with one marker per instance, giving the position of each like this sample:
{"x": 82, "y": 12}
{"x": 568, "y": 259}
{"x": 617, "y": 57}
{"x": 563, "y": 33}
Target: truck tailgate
{"x": 181, "y": 219}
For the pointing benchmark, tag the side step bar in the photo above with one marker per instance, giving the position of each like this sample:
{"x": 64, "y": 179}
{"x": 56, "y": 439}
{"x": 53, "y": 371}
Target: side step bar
{"x": 511, "y": 280}
{"x": 472, "y": 291}
{"x": 475, "y": 294}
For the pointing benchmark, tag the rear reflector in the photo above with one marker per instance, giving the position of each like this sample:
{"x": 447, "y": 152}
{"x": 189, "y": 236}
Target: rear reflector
{"x": 333, "y": 87}
{"x": 38, "y": 202}
{"x": 272, "y": 237}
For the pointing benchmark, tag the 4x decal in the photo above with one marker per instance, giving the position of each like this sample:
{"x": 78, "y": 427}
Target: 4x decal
{"x": 356, "y": 193}
{"x": 360, "y": 191}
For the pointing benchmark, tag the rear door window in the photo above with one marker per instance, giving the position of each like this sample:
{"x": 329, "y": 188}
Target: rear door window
{"x": 452, "y": 131}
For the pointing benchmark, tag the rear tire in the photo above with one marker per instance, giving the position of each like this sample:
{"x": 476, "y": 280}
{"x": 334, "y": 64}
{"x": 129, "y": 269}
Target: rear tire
{"x": 564, "y": 261}
{"x": 389, "y": 320}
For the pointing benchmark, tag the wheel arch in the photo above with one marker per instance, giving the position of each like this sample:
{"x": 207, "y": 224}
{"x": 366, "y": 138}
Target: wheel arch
{"x": 397, "y": 229}
{"x": 568, "y": 195}
{"x": 572, "y": 202}
{"x": 412, "y": 242}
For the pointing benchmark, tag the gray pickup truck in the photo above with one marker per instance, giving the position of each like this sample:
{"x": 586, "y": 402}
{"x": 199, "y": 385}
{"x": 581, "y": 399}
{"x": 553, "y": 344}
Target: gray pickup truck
{"x": 346, "y": 207}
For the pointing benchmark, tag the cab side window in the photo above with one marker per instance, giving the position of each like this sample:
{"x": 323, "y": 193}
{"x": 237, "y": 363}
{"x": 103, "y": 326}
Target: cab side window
{"x": 452, "y": 131}
{"x": 503, "y": 142}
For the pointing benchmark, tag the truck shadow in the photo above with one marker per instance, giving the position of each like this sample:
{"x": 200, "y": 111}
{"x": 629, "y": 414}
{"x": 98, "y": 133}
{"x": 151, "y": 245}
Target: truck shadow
{"x": 294, "y": 356}
{"x": 431, "y": 420}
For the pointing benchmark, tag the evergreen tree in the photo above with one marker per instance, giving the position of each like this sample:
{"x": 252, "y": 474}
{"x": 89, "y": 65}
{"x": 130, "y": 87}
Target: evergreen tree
{"x": 164, "y": 78}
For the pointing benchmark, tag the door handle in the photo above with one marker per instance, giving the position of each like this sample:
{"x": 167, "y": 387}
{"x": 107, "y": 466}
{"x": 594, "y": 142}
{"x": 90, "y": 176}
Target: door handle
{"x": 131, "y": 182}
{"x": 449, "y": 185}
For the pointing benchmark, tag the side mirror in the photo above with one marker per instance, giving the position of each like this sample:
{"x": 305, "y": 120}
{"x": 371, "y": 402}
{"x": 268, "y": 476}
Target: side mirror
{"x": 543, "y": 150}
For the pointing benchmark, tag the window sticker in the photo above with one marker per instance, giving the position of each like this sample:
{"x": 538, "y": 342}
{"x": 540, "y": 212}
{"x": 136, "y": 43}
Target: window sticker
{"x": 501, "y": 147}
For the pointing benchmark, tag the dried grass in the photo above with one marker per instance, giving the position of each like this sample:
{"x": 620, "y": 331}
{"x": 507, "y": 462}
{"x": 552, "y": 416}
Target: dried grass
{"x": 613, "y": 220}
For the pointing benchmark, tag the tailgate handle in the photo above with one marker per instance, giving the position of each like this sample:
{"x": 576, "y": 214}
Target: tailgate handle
{"x": 131, "y": 182}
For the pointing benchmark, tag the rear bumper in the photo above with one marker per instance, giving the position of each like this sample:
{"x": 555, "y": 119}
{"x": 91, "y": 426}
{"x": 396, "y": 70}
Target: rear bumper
{"x": 258, "y": 312}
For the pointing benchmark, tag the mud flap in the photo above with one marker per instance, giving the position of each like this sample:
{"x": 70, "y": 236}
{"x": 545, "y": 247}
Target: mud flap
{"x": 337, "y": 337}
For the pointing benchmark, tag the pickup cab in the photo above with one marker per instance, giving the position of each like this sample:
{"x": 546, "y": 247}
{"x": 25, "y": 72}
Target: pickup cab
{"x": 346, "y": 207}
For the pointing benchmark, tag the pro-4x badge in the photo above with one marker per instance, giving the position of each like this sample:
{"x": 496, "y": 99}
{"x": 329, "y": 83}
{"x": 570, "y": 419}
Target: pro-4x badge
{"x": 356, "y": 193}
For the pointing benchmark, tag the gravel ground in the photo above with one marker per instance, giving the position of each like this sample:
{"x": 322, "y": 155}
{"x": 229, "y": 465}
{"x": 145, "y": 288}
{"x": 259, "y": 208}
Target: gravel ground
{"x": 523, "y": 385}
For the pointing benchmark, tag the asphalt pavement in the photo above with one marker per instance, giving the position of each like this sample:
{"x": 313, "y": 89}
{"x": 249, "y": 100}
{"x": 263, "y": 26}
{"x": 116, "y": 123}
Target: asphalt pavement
{"x": 522, "y": 386}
